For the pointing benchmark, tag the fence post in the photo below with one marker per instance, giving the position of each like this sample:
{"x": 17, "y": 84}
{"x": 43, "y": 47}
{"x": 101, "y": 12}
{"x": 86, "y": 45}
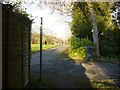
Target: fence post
{"x": 29, "y": 69}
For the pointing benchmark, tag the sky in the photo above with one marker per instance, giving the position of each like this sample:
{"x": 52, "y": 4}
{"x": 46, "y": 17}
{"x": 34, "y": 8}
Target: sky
{"x": 53, "y": 23}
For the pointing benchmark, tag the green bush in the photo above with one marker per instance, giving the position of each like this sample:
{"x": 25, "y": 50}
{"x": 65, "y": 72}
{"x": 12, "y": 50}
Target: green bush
{"x": 80, "y": 52}
{"x": 109, "y": 48}
{"x": 77, "y": 47}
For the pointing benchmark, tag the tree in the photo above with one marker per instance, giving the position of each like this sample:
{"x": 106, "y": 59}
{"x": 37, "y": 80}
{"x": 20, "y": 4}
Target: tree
{"x": 86, "y": 18}
{"x": 81, "y": 25}
{"x": 94, "y": 26}
{"x": 16, "y": 6}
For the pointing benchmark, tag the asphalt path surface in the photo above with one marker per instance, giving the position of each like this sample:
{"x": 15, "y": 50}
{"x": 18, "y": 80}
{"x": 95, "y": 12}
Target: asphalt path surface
{"x": 65, "y": 73}
{"x": 112, "y": 69}
{"x": 50, "y": 54}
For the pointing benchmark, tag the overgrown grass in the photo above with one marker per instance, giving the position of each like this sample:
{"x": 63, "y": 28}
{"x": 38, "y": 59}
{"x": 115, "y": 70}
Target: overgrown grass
{"x": 76, "y": 56}
{"x": 110, "y": 83}
{"x": 77, "y": 53}
{"x": 36, "y": 47}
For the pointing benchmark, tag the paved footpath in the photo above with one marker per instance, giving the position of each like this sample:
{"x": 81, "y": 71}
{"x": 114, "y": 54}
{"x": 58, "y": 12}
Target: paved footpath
{"x": 65, "y": 73}
{"x": 47, "y": 55}
{"x": 94, "y": 72}
{"x": 111, "y": 69}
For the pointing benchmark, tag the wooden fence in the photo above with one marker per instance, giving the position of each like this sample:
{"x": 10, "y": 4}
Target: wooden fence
{"x": 16, "y": 49}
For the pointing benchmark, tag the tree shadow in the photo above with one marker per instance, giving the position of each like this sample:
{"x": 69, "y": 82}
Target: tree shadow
{"x": 63, "y": 74}
{"x": 83, "y": 81}
{"x": 67, "y": 74}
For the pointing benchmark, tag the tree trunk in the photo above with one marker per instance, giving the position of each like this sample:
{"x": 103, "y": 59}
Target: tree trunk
{"x": 94, "y": 26}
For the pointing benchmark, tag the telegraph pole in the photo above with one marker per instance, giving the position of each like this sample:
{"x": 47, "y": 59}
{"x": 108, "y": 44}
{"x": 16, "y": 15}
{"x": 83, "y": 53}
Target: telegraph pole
{"x": 41, "y": 49}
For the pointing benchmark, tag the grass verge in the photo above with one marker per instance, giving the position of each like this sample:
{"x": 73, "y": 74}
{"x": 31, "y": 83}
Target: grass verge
{"x": 75, "y": 57}
{"x": 107, "y": 84}
{"x": 36, "y": 47}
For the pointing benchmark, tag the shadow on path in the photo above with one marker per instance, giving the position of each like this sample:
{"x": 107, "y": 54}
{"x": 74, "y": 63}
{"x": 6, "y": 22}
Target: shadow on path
{"x": 64, "y": 74}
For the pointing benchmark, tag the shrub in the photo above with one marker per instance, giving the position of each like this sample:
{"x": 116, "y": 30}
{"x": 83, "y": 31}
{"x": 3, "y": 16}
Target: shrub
{"x": 77, "y": 47}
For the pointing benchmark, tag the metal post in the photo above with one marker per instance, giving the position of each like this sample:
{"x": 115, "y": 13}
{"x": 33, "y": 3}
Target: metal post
{"x": 41, "y": 50}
